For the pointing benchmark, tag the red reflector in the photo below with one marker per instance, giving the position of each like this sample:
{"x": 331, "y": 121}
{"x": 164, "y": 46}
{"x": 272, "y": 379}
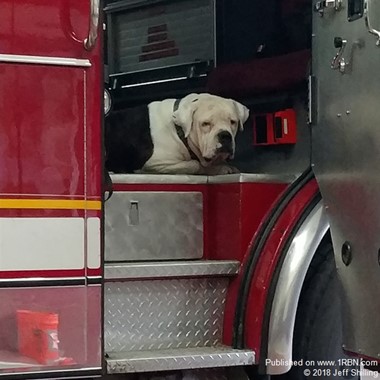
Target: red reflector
{"x": 275, "y": 128}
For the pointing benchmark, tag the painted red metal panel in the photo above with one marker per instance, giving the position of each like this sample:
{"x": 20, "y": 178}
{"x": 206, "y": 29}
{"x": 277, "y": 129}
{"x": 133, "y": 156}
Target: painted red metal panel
{"x": 50, "y": 143}
{"x": 44, "y": 27}
{"x": 236, "y": 210}
{"x": 94, "y": 272}
{"x": 41, "y": 213}
{"x": 50, "y": 129}
{"x": 46, "y": 213}
{"x": 61, "y": 273}
{"x": 41, "y": 130}
{"x": 23, "y": 274}
{"x": 235, "y": 213}
{"x": 267, "y": 262}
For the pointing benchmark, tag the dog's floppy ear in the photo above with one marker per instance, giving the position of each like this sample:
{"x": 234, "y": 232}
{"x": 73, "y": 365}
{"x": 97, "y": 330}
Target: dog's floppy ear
{"x": 242, "y": 112}
{"x": 183, "y": 116}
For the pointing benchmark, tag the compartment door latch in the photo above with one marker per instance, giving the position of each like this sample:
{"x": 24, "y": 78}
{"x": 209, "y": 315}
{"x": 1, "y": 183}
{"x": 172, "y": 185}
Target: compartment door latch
{"x": 320, "y": 6}
{"x": 134, "y": 214}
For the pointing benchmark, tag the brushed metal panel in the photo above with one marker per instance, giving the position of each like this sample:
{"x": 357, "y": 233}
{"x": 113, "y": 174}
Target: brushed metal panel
{"x": 169, "y": 360}
{"x": 155, "y": 315}
{"x": 346, "y": 156}
{"x": 154, "y": 226}
{"x": 176, "y": 269}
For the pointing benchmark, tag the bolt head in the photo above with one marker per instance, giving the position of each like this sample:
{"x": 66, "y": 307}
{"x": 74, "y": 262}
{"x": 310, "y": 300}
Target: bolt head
{"x": 346, "y": 253}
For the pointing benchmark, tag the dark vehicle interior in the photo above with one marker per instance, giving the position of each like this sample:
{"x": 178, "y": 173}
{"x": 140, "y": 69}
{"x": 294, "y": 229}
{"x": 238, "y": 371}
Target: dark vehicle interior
{"x": 256, "y": 52}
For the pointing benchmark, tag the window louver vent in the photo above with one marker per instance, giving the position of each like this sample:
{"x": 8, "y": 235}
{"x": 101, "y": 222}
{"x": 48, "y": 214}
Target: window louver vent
{"x": 161, "y": 35}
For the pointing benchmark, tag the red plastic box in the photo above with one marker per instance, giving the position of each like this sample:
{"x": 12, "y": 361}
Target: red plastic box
{"x": 38, "y": 336}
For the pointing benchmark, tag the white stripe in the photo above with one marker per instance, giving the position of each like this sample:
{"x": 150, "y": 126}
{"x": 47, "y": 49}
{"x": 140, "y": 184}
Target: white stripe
{"x": 285, "y": 126}
{"x": 41, "y": 243}
{"x": 41, "y": 60}
{"x": 93, "y": 243}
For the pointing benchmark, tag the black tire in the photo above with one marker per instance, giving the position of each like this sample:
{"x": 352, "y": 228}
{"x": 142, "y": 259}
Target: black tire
{"x": 318, "y": 328}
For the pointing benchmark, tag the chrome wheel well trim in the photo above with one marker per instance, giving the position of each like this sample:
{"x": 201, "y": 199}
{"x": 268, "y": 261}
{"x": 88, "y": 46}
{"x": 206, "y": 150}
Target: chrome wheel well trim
{"x": 288, "y": 289}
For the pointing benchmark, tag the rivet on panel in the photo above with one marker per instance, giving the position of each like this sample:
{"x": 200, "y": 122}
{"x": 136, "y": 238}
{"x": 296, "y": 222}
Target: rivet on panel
{"x": 346, "y": 253}
{"x": 348, "y": 112}
{"x": 339, "y": 115}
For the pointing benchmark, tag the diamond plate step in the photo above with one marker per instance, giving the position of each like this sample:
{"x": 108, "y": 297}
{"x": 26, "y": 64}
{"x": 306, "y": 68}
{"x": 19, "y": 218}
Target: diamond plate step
{"x": 177, "y": 359}
{"x": 164, "y": 314}
{"x": 171, "y": 269}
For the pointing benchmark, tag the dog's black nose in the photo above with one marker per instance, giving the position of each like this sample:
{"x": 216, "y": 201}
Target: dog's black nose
{"x": 225, "y": 138}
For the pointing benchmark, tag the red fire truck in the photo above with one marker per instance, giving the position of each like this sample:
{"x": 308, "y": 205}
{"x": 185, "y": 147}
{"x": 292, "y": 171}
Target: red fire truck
{"x": 183, "y": 276}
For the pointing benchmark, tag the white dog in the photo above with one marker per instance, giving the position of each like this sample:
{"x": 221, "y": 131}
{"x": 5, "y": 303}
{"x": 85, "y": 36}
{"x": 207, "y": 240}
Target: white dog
{"x": 192, "y": 135}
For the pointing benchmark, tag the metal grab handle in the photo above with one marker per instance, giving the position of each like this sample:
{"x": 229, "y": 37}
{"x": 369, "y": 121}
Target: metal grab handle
{"x": 339, "y": 62}
{"x": 368, "y": 22}
{"x": 90, "y": 41}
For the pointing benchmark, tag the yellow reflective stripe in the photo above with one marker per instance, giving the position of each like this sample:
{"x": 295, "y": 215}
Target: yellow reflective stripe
{"x": 59, "y": 204}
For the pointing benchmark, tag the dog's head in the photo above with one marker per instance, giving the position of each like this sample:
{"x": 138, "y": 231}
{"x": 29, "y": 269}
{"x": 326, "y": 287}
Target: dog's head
{"x": 210, "y": 124}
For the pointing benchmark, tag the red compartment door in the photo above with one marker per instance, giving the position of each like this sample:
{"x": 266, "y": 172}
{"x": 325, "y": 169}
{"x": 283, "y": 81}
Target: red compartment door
{"x": 50, "y": 181}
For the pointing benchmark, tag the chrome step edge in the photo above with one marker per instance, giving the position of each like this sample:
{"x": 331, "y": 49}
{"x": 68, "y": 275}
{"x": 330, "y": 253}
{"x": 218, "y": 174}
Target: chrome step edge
{"x": 178, "y": 179}
{"x": 180, "y": 359}
{"x": 170, "y": 269}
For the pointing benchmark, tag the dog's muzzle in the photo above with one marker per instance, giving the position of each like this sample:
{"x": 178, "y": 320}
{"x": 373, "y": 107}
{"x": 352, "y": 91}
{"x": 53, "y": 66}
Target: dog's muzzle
{"x": 225, "y": 140}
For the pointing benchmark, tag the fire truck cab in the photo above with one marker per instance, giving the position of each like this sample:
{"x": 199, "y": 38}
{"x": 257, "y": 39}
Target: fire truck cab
{"x": 273, "y": 272}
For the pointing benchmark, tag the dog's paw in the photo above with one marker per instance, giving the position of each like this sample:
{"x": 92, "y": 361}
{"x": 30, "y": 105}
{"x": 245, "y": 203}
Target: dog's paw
{"x": 221, "y": 170}
{"x": 226, "y": 169}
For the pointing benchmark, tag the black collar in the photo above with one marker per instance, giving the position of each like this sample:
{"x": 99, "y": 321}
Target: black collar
{"x": 181, "y": 133}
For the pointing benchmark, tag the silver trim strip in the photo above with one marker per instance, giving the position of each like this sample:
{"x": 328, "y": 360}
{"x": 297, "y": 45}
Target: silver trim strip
{"x": 42, "y": 371}
{"x": 200, "y": 179}
{"x": 252, "y": 177}
{"x": 177, "y": 359}
{"x": 170, "y": 269}
{"x": 158, "y": 179}
{"x": 159, "y": 81}
{"x": 289, "y": 286}
{"x": 41, "y": 60}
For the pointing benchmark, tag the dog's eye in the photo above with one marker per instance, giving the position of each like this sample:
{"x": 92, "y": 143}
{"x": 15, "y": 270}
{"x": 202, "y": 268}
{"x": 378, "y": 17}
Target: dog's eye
{"x": 233, "y": 122}
{"x": 206, "y": 124}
